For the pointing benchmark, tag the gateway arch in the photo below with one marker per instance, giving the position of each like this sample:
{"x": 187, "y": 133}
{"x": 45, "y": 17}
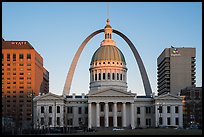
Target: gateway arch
{"x": 146, "y": 83}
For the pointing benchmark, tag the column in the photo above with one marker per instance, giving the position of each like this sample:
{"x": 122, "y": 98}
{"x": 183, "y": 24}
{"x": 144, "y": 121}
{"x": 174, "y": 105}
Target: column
{"x": 180, "y": 116}
{"x": 89, "y": 115}
{"x": 124, "y": 114}
{"x": 97, "y": 115}
{"x": 132, "y": 115}
{"x": 106, "y": 114}
{"x": 115, "y": 115}
{"x": 172, "y": 110}
{"x": 156, "y": 115}
{"x": 164, "y": 115}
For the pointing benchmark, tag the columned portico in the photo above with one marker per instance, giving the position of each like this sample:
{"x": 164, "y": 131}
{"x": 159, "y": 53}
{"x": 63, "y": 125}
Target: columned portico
{"x": 111, "y": 108}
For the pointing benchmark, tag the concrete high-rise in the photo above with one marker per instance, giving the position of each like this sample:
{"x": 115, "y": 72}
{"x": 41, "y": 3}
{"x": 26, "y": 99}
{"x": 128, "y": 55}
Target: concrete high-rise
{"x": 23, "y": 77}
{"x": 175, "y": 70}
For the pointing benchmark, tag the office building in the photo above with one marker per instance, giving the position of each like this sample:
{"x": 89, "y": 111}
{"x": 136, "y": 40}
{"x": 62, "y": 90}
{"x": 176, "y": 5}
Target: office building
{"x": 175, "y": 70}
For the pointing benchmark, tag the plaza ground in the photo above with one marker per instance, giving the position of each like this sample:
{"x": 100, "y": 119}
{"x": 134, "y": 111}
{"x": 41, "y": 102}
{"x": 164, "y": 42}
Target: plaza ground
{"x": 150, "y": 131}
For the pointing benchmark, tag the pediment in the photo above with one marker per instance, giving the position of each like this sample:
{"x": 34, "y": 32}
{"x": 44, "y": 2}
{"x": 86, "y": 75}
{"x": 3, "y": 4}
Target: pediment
{"x": 168, "y": 97}
{"x": 111, "y": 92}
{"x": 49, "y": 96}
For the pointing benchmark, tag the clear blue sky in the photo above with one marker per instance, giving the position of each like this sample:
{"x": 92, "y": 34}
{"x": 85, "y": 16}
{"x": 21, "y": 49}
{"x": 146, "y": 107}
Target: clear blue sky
{"x": 56, "y": 30}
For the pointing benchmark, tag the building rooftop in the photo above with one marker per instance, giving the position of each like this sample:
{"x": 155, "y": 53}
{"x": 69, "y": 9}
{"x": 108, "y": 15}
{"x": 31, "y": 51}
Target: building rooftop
{"x": 16, "y": 45}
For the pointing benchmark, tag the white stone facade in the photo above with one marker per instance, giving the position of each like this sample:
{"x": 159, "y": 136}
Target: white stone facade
{"x": 107, "y": 109}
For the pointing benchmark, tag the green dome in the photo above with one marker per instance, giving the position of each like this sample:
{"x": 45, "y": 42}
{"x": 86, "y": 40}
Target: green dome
{"x": 108, "y": 52}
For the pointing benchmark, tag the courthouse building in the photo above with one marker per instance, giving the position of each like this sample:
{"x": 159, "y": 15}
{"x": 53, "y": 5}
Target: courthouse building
{"x": 107, "y": 104}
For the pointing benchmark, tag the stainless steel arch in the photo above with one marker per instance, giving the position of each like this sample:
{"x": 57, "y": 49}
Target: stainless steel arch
{"x": 146, "y": 84}
{"x": 70, "y": 74}
{"x": 143, "y": 73}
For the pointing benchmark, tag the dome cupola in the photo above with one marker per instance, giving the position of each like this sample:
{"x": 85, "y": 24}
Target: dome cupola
{"x": 108, "y": 65}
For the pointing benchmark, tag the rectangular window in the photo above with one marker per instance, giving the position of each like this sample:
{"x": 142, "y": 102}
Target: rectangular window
{"x": 99, "y": 76}
{"x": 14, "y": 57}
{"x": 28, "y": 56}
{"x": 50, "y": 121}
{"x": 50, "y": 109}
{"x": 148, "y": 110}
{"x": 69, "y": 121}
{"x": 58, "y": 109}
{"x": 138, "y": 122}
{"x": 79, "y": 121}
{"x": 21, "y": 56}
{"x": 28, "y": 78}
{"x": 168, "y": 109}
{"x": 69, "y": 110}
{"x": 86, "y": 110}
{"x": 177, "y": 121}
{"x": 176, "y": 109}
{"x": 21, "y": 73}
{"x": 168, "y": 121}
{"x": 58, "y": 120}
{"x": 160, "y": 109}
{"x": 160, "y": 120}
{"x": 42, "y": 109}
{"x": 28, "y": 64}
{"x": 42, "y": 121}
{"x": 95, "y": 76}
{"x": 8, "y": 57}
{"x": 79, "y": 110}
{"x": 138, "y": 110}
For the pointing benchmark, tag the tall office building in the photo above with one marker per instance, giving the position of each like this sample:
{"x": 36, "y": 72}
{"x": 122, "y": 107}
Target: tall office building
{"x": 175, "y": 70}
{"x": 23, "y": 77}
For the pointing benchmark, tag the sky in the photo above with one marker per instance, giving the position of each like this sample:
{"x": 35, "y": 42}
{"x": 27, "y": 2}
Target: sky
{"x": 57, "y": 29}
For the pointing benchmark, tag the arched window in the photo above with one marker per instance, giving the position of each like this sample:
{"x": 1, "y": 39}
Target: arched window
{"x": 95, "y": 77}
{"x": 117, "y": 76}
{"x": 99, "y": 76}
{"x": 121, "y": 76}
{"x": 104, "y": 75}
{"x": 113, "y": 76}
{"x": 108, "y": 75}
